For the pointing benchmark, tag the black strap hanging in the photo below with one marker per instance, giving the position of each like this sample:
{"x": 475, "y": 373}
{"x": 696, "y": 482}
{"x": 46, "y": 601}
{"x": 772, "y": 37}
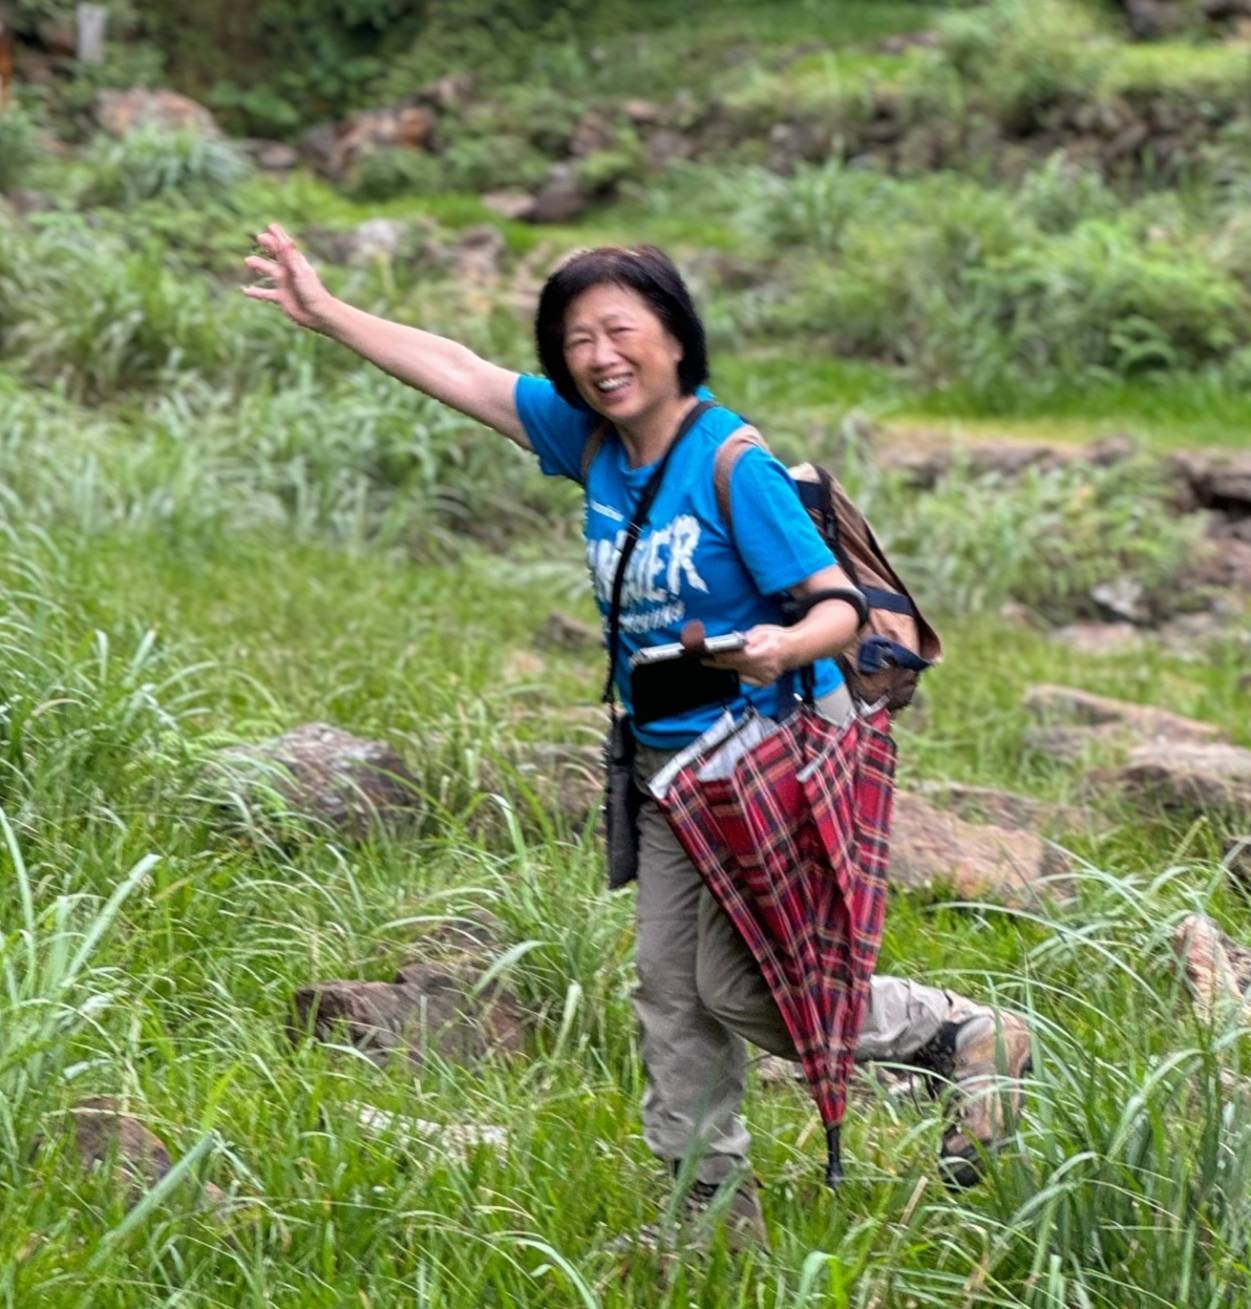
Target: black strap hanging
{"x": 637, "y": 522}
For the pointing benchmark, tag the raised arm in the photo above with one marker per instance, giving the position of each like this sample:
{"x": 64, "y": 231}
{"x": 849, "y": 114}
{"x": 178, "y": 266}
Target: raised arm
{"x": 443, "y": 369}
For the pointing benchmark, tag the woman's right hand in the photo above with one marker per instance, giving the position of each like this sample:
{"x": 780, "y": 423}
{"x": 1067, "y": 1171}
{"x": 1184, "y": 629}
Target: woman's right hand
{"x": 296, "y": 289}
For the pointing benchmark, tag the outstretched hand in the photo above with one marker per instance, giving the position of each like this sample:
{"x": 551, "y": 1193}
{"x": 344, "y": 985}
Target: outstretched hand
{"x": 296, "y": 289}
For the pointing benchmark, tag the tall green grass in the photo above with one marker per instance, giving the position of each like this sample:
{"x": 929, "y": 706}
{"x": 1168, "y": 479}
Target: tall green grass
{"x": 187, "y": 963}
{"x": 215, "y": 528}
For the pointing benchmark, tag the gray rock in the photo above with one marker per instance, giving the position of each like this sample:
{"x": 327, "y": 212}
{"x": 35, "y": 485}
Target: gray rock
{"x": 477, "y": 254}
{"x": 104, "y": 1135}
{"x": 1021, "y": 615}
{"x": 1098, "y": 639}
{"x": 564, "y": 632}
{"x": 665, "y": 146}
{"x": 273, "y": 156}
{"x": 519, "y": 206}
{"x": 933, "y": 848}
{"x": 1148, "y": 20}
{"x": 591, "y": 134}
{"x": 567, "y": 779}
{"x": 397, "y": 127}
{"x": 387, "y": 239}
{"x": 643, "y": 113}
{"x": 1122, "y": 600}
{"x": 1128, "y": 721}
{"x": 1225, "y": 11}
{"x": 1192, "y": 635}
{"x": 1237, "y": 860}
{"x": 1220, "y": 480}
{"x": 987, "y": 804}
{"x": 804, "y": 142}
{"x": 1220, "y": 563}
{"x": 1217, "y": 969}
{"x": 1073, "y": 745}
{"x": 1185, "y": 776}
{"x": 560, "y": 199}
{"x": 456, "y": 1140}
{"x": 773, "y": 1070}
{"x": 452, "y": 91}
{"x": 24, "y": 201}
{"x": 122, "y": 112}
{"x": 317, "y": 146}
{"x": 323, "y": 775}
{"x": 925, "y": 457}
{"x": 430, "y": 1008}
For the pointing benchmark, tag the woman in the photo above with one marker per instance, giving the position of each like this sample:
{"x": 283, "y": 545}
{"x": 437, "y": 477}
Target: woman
{"x": 620, "y": 343}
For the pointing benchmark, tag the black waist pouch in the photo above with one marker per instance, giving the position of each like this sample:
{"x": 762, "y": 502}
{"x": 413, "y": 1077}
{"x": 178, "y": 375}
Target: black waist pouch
{"x": 622, "y": 801}
{"x": 669, "y": 688}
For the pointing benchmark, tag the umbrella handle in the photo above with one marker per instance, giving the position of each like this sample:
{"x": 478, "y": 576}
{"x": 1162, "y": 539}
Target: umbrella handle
{"x": 834, "y": 1158}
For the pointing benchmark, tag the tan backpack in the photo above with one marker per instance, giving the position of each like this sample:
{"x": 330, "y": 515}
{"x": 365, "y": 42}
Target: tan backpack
{"x": 896, "y": 645}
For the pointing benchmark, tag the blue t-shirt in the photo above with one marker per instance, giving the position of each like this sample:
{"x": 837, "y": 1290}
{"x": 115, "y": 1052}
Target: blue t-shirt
{"x": 686, "y": 564}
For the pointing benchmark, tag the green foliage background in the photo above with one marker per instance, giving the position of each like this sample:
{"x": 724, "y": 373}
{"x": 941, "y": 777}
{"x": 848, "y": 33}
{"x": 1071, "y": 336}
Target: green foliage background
{"x": 215, "y": 527}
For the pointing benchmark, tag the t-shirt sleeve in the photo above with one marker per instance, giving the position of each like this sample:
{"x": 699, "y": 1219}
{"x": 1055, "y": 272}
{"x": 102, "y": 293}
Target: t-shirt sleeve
{"x": 778, "y": 541}
{"x": 557, "y": 430}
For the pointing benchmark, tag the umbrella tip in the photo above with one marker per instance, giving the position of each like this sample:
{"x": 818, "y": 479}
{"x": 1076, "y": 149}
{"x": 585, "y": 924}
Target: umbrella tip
{"x": 834, "y": 1160}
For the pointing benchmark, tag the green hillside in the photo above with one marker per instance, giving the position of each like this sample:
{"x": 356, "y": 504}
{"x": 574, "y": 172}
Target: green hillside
{"x": 911, "y": 227}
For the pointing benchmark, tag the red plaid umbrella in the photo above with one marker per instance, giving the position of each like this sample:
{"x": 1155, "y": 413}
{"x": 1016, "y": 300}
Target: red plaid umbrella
{"x": 789, "y": 826}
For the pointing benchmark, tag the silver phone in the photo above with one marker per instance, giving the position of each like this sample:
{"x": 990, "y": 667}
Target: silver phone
{"x": 713, "y": 645}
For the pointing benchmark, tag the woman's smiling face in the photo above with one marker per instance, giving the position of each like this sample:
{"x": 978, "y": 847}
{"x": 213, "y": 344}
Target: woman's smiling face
{"x": 622, "y": 358}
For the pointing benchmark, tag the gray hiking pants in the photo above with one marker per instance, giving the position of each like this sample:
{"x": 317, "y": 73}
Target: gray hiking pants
{"x": 700, "y": 995}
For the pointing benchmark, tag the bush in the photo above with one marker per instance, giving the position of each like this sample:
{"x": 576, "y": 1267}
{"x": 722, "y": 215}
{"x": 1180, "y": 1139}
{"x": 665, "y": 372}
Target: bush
{"x": 19, "y": 148}
{"x": 1061, "y": 194}
{"x": 895, "y": 286}
{"x": 151, "y": 162}
{"x": 813, "y": 208}
{"x": 1044, "y": 539}
{"x": 485, "y": 163}
{"x": 102, "y": 318}
{"x": 1098, "y": 300}
{"x": 390, "y": 172}
{"x": 262, "y": 109}
{"x": 959, "y": 281}
{"x": 605, "y": 169}
{"x": 1026, "y": 56}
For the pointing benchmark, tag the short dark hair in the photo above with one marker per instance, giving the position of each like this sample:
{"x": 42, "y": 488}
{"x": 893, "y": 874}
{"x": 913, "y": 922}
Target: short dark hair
{"x": 643, "y": 269}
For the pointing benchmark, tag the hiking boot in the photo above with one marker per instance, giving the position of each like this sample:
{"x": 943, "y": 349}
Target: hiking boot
{"x": 704, "y": 1209}
{"x": 982, "y": 1060}
{"x": 707, "y": 1208}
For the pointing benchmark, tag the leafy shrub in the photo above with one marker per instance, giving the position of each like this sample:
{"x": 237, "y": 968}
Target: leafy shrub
{"x": 152, "y": 162}
{"x": 390, "y": 172}
{"x": 894, "y": 286}
{"x": 605, "y": 169}
{"x": 1044, "y": 539}
{"x": 19, "y": 149}
{"x": 1061, "y": 194}
{"x": 506, "y": 42}
{"x": 259, "y": 106}
{"x": 274, "y": 65}
{"x": 484, "y": 163}
{"x": 544, "y": 112}
{"x": 1096, "y": 299}
{"x": 957, "y": 280}
{"x": 1026, "y": 56}
{"x": 813, "y": 208}
{"x": 127, "y": 64}
{"x": 101, "y": 317}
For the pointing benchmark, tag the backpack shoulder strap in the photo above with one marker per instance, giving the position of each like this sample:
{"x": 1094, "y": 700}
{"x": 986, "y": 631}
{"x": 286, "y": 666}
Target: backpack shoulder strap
{"x": 594, "y": 443}
{"x": 732, "y": 449}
